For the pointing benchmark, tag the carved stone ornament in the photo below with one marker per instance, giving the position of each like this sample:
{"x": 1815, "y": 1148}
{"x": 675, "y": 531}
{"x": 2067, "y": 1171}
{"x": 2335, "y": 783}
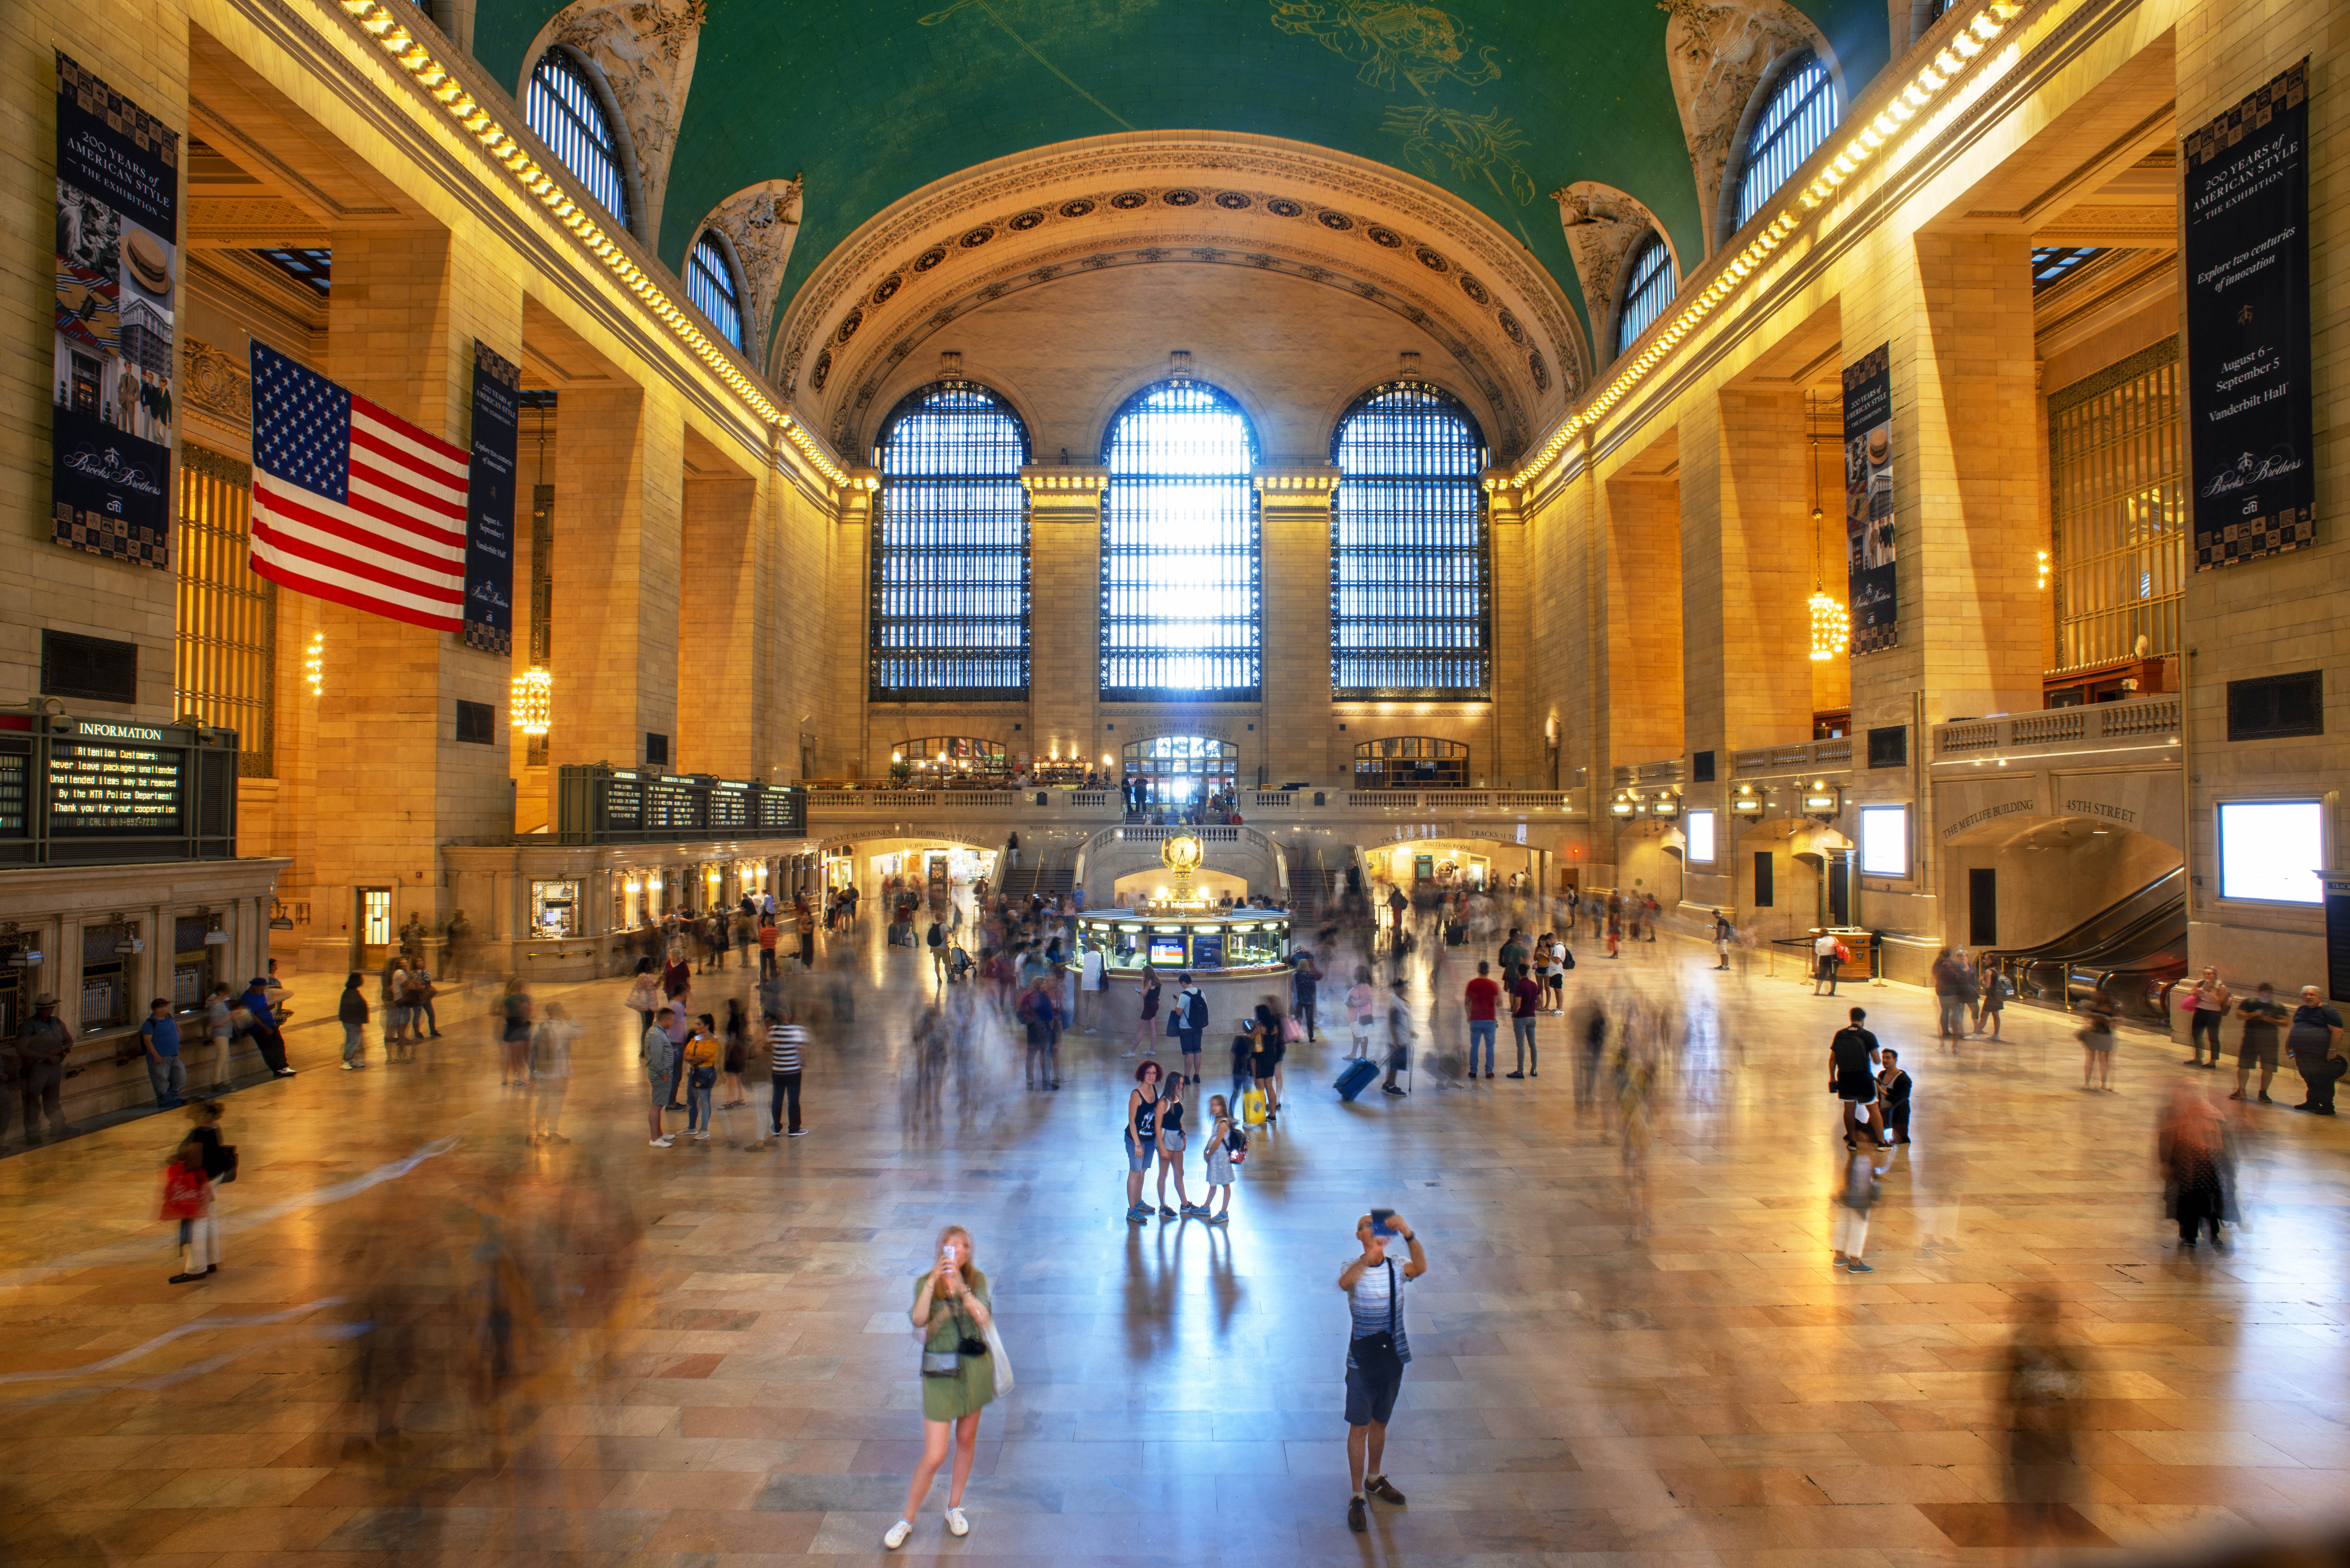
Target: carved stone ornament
{"x": 216, "y": 384}
{"x": 1716, "y": 54}
{"x": 760, "y": 222}
{"x": 1602, "y": 224}
{"x": 644, "y": 49}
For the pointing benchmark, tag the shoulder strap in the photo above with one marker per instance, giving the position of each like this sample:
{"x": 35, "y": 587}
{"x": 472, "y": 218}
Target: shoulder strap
{"x": 1395, "y": 1307}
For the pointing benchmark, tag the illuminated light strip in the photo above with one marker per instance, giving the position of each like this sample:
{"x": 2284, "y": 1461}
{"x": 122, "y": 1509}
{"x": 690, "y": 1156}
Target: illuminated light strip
{"x": 407, "y": 51}
{"x": 1967, "y": 43}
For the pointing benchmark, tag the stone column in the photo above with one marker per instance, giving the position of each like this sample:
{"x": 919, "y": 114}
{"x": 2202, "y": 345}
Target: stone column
{"x": 1746, "y": 562}
{"x": 1637, "y": 632}
{"x": 717, "y": 631}
{"x": 1518, "y": 754}
{"x": 1065, "y": 611}
{"x": 1295, "y": 729}
{"x": 619, "y": 548}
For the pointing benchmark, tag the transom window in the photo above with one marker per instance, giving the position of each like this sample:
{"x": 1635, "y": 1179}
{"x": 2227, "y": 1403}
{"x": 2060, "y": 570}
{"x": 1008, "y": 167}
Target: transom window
{"x": 566, "y": 113}
{"x": 944, "y": 757}
{"x": 710, "y": 284}
{"x": 1798, "y": 115}
{"x": 949, "y": 550}
{"x": 1410, "y": 571}
{"x": 1411, "y": 762}
{"x": 2120, "y": 516}
{"x": 313, "y": 268}
{"x": 1182, "y": 767}
{"x": 1180, "y": 572}
{"x": 1649, "y": 282}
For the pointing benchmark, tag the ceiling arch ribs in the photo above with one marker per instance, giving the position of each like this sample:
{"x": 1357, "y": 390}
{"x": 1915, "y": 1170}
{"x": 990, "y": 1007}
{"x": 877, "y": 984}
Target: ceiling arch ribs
{"x": 760, "y": 222}
{"x": 644, "y": 50}
{"x": 1150, "y": 197}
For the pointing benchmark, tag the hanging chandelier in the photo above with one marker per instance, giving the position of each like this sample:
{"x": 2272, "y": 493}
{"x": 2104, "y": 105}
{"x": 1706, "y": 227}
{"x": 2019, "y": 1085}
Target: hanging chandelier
{"x": 1831, "y": 622}
{"x": 533, "y": 701}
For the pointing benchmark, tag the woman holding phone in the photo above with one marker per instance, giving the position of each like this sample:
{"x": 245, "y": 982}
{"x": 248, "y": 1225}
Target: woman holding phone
{"x": 952, "y": 1311}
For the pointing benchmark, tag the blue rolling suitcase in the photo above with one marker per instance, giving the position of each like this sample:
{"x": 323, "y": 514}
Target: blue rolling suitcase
{"x": 1355, "y": 1080}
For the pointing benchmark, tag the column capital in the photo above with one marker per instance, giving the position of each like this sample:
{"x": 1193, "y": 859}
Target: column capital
{"x": 1065, "y": 493}
{"x": 1296, "y": 482}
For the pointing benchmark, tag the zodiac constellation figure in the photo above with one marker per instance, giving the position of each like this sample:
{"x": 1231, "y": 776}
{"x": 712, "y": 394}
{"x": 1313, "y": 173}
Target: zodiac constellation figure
{"x": 1473, "y": 145}
{"x": 1388, "y": 40}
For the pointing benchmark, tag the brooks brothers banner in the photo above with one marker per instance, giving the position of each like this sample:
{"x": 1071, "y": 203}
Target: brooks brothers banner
{"x": 2247, "y": 326}
{"x": 1868, "y": 501}
{"x": 489, "y": 504}
{"x": 117, "y": 265}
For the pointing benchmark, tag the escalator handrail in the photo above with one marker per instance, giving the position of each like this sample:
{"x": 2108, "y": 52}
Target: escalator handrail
{"x": 2133, "y": 935}
{"x": 2055, "y": 946}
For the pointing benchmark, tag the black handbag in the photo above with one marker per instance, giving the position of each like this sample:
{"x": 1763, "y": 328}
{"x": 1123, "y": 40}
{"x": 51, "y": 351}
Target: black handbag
{"x": 949, "y": 1363}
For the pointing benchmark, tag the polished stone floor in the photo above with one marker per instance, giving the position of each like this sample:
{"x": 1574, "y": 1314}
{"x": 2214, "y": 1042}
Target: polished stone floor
{"x": 433, "y": 1341}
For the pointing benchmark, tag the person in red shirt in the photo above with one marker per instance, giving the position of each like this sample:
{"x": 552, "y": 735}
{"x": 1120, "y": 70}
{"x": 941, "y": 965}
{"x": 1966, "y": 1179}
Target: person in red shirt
{"x": 1482, "y": 997}
{"x": 768, "y": 936}
{"x": 1525, "y": 1003}
{"x": 188, "y": 1199}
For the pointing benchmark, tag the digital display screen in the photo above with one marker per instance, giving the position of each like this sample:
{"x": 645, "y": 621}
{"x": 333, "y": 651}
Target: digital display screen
{"x": 1885, "y": 841}
{"x": 1167, "y": 951}
{"x": 111, "y": 789}
{"x": 2272, "y": 850}
{"x": 1699, "y": 824}
{"x": 1208, "y": 951}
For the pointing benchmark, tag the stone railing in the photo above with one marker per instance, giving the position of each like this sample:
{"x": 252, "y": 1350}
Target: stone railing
{"x": 1059, "y": 804}
{"x": 1104, "y": 806}
{"x": 2143, "y": 719}
{"x": 1807, "y": 756}
{"x": 1111, "y": 838}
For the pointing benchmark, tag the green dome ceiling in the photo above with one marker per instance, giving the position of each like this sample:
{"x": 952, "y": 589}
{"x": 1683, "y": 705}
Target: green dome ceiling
{"x": 1500, "y": 101}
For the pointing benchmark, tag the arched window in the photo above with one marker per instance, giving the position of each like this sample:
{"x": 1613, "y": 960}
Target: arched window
{"x": 566, "y": 112}
{"x": 1411, "y": 589}
{"x": 1795, "y": 118}
{"x": 1649, "y": 281}
{"x": 1181, "y": 767}
{"x": 951, "y": 549}
{"x": 1179, "y": 570}
{"x": 1411, "y": 762}
{"x": 710, "y": 284}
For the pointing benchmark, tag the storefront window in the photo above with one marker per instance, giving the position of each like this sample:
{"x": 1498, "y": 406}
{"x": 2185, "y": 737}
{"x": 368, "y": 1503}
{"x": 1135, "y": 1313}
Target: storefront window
{"x": 554, "y": 909}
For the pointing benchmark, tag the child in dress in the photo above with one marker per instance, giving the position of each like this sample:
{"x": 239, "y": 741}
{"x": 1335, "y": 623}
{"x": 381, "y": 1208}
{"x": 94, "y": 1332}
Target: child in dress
{"x": 1220, "y": 1175}
{"x": 188, "y": 1199}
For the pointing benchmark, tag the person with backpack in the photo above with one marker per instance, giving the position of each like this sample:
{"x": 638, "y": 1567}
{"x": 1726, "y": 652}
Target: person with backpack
{"x": 1221, "y": 1156}
{"x": 936, "y": 941}
{"x": 1187, "y": 1020}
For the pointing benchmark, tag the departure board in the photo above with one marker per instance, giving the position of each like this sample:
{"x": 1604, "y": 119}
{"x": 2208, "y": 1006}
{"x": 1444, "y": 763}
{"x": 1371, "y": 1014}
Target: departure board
{"x": 109, "y": 789}
{"x": 597, "y": 803}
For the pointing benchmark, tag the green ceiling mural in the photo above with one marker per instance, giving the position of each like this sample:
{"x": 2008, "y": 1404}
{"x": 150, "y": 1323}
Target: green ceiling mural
{"x": 1500, "y": 101}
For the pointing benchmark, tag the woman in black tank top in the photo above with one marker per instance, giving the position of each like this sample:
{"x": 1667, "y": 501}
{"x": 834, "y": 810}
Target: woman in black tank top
{"x": 1171, "y": 1148}
{"x": 1142, "y": 1137}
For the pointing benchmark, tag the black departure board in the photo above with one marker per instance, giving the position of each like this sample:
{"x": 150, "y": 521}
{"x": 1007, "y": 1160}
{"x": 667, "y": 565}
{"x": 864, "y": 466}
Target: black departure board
{"x": 598, "y": 803}
{"x": 110, "y": 788}
{"x": 729, "y": 805}
{"x": 16, "y": 787}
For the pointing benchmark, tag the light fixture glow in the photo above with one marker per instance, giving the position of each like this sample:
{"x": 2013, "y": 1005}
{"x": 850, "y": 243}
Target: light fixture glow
{"x": 531, "y": 700}
{"x": 314, "y": 663}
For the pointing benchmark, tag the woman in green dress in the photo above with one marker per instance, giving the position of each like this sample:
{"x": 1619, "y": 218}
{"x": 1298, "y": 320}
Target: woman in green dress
{"x": 952, "y": 1306}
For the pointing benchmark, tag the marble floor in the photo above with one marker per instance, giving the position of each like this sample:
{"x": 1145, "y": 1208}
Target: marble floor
{"x": 433, "y": 1342}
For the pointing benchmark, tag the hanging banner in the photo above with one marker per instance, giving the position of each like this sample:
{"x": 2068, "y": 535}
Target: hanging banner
{"x": 117, "y": 270}
{"x": 1868, "y": 501}
{"x": 2248, "y": 377}
{"x": 489, "y": 504}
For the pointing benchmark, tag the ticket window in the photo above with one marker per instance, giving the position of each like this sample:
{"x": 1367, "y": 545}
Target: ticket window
{"x": 192, "y": 965}
{"x": 554, "y": 910}
{"x": 15, "y": 984}
{"x": 374, "y": 924}
{"x": 108, "y": 973}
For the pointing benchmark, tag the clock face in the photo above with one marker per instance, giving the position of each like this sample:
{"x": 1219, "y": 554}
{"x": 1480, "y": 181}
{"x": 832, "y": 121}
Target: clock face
{"x": 1182, "y": 852}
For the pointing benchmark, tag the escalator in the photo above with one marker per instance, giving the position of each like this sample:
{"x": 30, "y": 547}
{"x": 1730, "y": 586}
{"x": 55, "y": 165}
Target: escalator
{"x": 2136, "y": 948}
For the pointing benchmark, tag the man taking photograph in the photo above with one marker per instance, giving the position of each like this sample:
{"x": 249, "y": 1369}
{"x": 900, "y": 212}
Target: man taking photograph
{"x": 1377, "y": 1350}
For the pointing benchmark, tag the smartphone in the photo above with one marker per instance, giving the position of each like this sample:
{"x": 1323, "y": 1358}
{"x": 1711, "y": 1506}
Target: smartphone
{"x": 1379, "y": 1218}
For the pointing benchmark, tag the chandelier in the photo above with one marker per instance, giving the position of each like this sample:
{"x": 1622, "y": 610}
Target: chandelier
{"x": 533, "y": 701}
{"x": 1831, "y": 622}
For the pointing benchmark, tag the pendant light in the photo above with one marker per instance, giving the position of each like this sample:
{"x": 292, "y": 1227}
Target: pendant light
{"x": 1831, "y": 622}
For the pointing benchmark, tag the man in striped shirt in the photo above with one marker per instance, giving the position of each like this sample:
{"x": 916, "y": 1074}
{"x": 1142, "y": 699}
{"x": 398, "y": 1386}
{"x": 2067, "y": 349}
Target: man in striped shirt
{"x": 785, "y": 1041}
{"x": 1377, "y": 1350}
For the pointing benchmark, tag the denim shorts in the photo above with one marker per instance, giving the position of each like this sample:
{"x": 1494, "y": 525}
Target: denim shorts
{"x": 1138, "y": 1155}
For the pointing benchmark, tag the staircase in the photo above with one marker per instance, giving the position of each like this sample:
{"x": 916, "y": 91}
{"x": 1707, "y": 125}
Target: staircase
{"x": 1048, "y": 882}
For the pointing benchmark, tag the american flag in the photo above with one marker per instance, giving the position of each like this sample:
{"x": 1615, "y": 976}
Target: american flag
{"x": 352, "y": 505}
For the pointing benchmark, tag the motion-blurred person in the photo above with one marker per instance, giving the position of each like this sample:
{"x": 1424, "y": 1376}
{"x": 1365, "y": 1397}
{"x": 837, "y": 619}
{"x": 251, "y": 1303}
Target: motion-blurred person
{"x": 218, "y": 1159}
{"x": 1478, "y": 998}
{"x": 954, "y": 1312}
{"x": 220, "y": 1034}
{"x": 785, "y": 1041}
{"x": 659, "y": 1055}
{"x": 2096, "y": 1037}
{"x": 1378, "y": 1350}
{"x": 2315, "y": 1042}
{"x": 1852, "y": 1079}
{"x": 1893, "y": 1086}
{"x": 550, "y": 1074}
{"x": 1400, "y": 1035}
{"x": 2043, "y": 1404}
{"x": 736, "y": 1052}
{"x": 2264, "y": 1015}
{"x": 187, "y": 1198}
{"x": 2191, "y": 1148}
{"x": 1827, "y": 957}
{"x": 1721, "y": 935}
{"x": 1525, "y": 1003}
{"x": 1591, "y": 1027}
{"x": 1305, "y": 993}
{"x": 2205, "y": 1003}
{"x": 351, "y": 1011}
{"x": 1361, "y": 1004}
{"x": 1996, "y": 989}
{"x": 644, "y": 997}
{"x": 1039, "y": 1015}
{"x": 1852, "y": 1206}
{"x": 1093, "y": 979}
{"x": 517, "y": 1018}
{"x": 1141, "y": 1140}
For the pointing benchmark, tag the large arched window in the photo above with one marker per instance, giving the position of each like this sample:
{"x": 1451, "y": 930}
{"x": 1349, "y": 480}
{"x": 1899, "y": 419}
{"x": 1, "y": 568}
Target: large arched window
{"x": 1795, "y": 118}
{"x": 1411, "y": 586}
{"x": 1179, "y": 569}
{"x": 951, "y": 549}
{"x": 1181, "y": 767}
{"x": 710, "y": 284}
{"x": 1649, "y": 284}
{"x": 567, "y": 113}
{"x": 1411, "y": 762}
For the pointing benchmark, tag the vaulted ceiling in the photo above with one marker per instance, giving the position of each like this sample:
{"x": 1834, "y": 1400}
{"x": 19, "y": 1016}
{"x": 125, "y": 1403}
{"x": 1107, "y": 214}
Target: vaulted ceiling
{"x": 1503, "y": 103}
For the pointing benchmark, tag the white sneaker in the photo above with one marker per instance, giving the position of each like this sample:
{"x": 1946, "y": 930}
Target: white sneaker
{"x": 956, "y": 1524}
{"x": 896, "y": 1535}
{"x": 1130, "y": 1055}
{"x": 665, "y": 1140}
{"x": 350, "y": 1066}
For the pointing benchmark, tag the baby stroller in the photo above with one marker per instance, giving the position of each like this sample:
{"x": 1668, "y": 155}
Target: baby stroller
{"x": 959, "y": 965}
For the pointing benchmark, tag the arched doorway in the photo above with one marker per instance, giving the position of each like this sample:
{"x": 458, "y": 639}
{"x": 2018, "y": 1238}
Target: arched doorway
{"x": 1178, "y": 769}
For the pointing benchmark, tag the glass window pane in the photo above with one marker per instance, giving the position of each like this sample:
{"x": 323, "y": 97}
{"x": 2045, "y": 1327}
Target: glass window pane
{"x": 1410, "y": 563}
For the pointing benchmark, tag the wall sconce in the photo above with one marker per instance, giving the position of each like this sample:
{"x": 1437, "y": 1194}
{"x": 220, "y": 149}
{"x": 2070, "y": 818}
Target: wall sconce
{"x": 1745, "y": 802}
{"x": 1666, "y": 805}
{"x": 2043, "y": 570}
{"x": 314, "y": 662}
{"x": 533, "y": 701}
{"x": 1823, "y": 800}
{"x": 1626, "y": 804}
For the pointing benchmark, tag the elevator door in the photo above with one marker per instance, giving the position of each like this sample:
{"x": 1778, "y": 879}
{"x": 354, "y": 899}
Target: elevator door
{"x": 1983, "y": 907}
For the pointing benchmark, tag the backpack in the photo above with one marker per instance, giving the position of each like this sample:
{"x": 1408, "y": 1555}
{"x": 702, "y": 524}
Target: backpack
{"x": 1236, "y": 1144}
{"x": 1567, "y": 959}
{"x": 937, "y": 937}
